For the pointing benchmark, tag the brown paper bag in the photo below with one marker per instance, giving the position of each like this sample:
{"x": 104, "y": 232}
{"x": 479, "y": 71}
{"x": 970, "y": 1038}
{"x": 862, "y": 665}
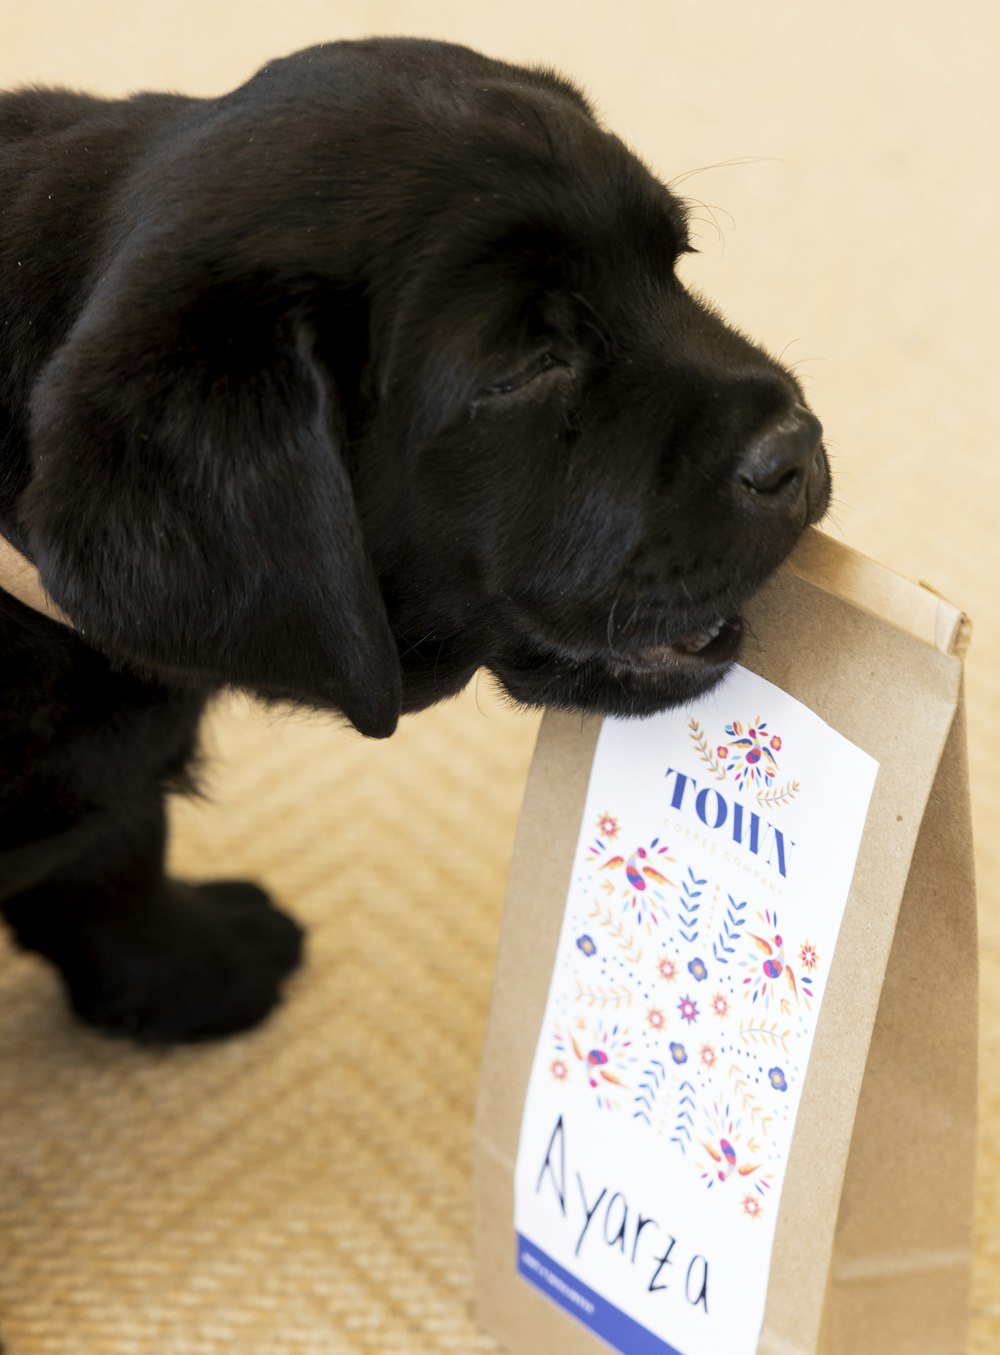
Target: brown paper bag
{"x": 872, "y": 1244}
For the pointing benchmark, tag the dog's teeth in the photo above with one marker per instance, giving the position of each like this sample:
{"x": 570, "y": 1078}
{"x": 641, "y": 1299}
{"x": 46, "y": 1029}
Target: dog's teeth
{"x": 702, "y": 638}
{"x": 693, "y": 643}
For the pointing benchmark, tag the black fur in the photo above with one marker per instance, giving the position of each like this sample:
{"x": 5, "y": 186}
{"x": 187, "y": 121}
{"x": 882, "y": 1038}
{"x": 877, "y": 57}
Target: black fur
{"x": 335, "y": 389}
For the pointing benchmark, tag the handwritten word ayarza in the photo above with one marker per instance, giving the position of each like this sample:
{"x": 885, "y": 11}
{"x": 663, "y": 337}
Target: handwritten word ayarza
{"x": 745, "y": 826}
{"x": 609, "y": 1220}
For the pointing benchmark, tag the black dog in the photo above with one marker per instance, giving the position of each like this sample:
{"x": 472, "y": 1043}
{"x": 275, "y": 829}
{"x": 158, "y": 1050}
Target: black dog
{"x": 335, "y": 389}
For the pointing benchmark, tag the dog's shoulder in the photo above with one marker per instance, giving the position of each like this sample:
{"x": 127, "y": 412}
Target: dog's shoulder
{"x": 37, "y": 114}
{"x": 34, "y": 111}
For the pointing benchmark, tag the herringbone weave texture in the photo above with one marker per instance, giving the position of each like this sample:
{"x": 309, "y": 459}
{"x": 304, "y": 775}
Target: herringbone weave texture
{"x": 305, "y": 1190}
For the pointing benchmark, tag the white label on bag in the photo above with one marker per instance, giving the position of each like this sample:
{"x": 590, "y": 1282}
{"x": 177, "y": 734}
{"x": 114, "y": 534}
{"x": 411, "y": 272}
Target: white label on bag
{"x": 713, "y": 866}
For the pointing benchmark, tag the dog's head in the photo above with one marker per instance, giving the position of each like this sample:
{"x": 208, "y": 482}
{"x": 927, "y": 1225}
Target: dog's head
{"x": 394, "y": 379}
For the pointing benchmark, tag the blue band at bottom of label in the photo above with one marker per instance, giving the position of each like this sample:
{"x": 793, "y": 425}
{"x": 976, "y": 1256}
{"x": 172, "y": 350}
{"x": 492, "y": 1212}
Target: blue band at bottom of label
{"x": 602, "y": 1317}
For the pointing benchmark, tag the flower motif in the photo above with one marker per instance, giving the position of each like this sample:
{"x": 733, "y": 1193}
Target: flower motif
{"x": 558, "y": 1070}
{"x": 586, "y": 944}
{"x": 656, "y": 1018}
{"x": 688, "y": 1010}
{"x": 777, "y": 1077}
{"x": 750, "y": 755}
{"x": 708, "y": 1056}
{"x": 752, "y": 1207}
{"x": 722, "y": 750}
{"x": 697, "y": 968}
{"x": 667, "y": 969}
{"x": 808, "y": 957}
{"x": 678, "y": 1053}
{"x": 607, "y": 826}
{"x": 720, "y": 1004}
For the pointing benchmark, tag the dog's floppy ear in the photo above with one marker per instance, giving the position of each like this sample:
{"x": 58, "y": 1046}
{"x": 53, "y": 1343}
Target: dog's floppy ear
{"x": 190, "y": 508}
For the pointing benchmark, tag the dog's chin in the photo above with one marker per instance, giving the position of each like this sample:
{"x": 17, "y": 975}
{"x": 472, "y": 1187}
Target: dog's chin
{"x": 630, "y": 683}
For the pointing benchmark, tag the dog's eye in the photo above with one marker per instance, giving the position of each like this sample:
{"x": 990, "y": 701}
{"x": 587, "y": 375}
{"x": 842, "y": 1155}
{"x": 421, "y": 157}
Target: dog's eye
{"x": 525, "y": 375}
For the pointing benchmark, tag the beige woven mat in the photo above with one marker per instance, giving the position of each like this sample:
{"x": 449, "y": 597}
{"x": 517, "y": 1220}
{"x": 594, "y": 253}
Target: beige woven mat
{"x": 306, "y": 1189}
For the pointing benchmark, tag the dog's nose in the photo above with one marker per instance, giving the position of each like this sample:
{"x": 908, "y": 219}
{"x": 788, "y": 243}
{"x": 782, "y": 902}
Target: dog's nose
{"x": 780, "y": 460}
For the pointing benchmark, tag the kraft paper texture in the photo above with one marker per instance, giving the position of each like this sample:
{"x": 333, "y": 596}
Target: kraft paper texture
{"x": 872, "y": 1253}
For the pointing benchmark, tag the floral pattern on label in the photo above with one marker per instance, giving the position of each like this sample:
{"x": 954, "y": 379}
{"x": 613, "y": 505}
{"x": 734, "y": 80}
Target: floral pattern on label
{"x": 706, "y": 892}
{"x": 674, "y": 1003}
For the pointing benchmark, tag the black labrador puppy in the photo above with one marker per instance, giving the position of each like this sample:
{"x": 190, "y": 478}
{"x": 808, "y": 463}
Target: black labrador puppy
{"x": 336, "y": 389}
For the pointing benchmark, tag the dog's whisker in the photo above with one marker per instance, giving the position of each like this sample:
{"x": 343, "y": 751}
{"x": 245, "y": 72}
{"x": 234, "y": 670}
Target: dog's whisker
{"x": 684, "y": 588}
{"x": 416, "y": 644}
{"x": 437, "y": 659}
{"x": 736, "y": 162}
{"x": 704, "y": 221}
{"x": 611, "y": 621}
{"x": 712, "y": 207}
{"x": 794, "y": 366}
{"x": 800, "y": 361}
{"x": 594, "y": 322}
{"x": 712, "y": 219}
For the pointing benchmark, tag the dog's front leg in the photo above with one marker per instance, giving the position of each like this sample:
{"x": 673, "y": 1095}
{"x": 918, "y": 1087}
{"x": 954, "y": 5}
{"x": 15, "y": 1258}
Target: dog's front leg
{"x": 142, "y": 955}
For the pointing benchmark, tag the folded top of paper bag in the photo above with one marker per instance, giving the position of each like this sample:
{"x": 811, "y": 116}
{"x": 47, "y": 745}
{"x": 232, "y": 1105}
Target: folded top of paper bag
{"x": 920, "y": 610}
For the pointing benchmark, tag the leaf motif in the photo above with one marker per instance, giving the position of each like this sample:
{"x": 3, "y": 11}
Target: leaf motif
{"x": 656, "y": 1073}
{"x": 685, "y": 1117}
{"x": 729, "y": 931}
{"x": 701, "y": 745}
{"x": 781, "y": 795}
{"x": 596, "y": 995}
{"x": 769, "y": 1034}
{"x": 750, "y": 1104}
{"x": 624, "y": 940}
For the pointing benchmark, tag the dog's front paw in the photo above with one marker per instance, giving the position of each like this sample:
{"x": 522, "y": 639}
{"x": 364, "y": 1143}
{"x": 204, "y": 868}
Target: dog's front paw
{"x": 205, "y": 961}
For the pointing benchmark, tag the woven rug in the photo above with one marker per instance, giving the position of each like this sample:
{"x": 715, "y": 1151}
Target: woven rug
{"x": 303, "y": 1190}
{"x": 306, "y": 1189}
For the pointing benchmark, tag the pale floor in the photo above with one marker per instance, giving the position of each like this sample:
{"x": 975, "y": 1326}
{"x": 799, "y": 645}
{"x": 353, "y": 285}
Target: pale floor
{"x": 306, "y": 1189}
